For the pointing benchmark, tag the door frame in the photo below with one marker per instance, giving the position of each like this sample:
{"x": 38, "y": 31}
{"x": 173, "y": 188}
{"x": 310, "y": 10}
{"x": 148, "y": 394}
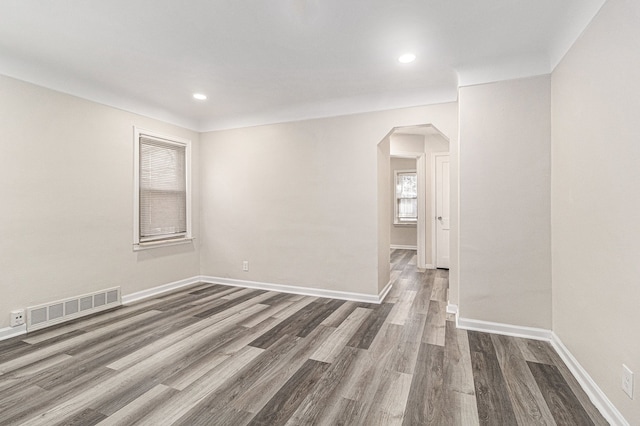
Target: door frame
{"x": 434, "y": 217}
{"x": 421, "y": 169}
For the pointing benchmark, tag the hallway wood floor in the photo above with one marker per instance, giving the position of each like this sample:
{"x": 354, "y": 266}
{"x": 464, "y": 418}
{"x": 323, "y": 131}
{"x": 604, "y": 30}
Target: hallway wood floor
{"x": 217, "y": 355}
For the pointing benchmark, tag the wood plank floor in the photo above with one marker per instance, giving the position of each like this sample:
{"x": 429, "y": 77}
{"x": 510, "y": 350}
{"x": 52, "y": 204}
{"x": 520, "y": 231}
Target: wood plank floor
{"x": 215, "y": 355}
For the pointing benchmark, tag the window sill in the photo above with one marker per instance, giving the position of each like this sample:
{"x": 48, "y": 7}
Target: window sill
{"x": 162, "y": 243}
{"x": 405, "y": 224}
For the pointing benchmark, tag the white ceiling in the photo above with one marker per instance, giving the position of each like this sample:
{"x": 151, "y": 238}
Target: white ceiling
{"x": 280, "y": 60}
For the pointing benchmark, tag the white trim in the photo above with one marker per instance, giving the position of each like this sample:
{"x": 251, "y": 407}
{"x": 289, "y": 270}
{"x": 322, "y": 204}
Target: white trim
{"x": 395, "y": 196}
{"x": 421, "y": 171}
{"x": 593, "y": 391}
{"x": 505, "y": 329}
{"x": 306, "y": 291}
{"x": 162, "y": 243}
{"x": 152, "y": 292}
{"x": 137, "y": 132}
{"x": 430, "y": 266}
{"x": 136, "y": 186}
{"x": 384, "y": 292}
{"x": 452, "y": 309}
{"x": 9, "y": 332}
{"x": 404, "y": 154}
{"x": 403, "y": 247}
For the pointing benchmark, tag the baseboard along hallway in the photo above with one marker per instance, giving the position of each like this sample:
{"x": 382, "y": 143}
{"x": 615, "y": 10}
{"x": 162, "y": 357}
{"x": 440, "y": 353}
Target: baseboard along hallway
{"x": 219, "y": 355}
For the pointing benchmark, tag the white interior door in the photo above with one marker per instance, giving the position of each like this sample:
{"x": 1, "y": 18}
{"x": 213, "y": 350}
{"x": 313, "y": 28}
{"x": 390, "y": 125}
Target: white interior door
{"x": 442, "y": 209}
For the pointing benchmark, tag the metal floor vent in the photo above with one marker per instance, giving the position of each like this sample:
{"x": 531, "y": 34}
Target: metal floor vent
{"x": 48, "y": 314}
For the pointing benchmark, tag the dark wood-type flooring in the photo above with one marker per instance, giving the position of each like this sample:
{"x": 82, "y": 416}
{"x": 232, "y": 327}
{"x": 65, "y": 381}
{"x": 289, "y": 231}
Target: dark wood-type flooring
{"x": 217, "y": 355}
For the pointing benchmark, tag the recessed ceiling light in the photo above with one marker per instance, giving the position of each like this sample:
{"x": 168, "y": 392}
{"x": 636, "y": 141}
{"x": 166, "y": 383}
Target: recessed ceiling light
{"x": 200, "y": 96}
{"x": 407, "y": 57}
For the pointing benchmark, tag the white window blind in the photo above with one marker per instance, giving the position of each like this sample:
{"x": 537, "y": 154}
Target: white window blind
{"x": 163, "y": 190}
{"x": 406, "y": 197}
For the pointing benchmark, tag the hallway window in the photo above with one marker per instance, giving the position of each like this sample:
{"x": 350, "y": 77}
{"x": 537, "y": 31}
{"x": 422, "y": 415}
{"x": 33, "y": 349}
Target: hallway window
{"x": 162, "y": 190}
{"x": 406, "y": 206}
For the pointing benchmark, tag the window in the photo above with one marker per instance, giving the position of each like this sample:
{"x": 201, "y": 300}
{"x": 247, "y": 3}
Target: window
{"x": 406, "y": 205}
{"x": 162, "y": 190}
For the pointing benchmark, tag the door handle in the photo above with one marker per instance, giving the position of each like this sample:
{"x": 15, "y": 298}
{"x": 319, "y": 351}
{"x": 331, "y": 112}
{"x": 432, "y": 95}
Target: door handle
{"x": 439, "y": 217}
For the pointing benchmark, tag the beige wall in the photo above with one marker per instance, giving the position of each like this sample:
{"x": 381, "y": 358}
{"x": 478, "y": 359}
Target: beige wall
{"x": 596, "y": 199}
{"x": 384, "y": 216}
{"x": 505, "y": 257}
{"x": 403, "y": 235}
{"x": 66, "y": 168}
{"x": 299, "y": 200}
{"x": 402, "y": 144}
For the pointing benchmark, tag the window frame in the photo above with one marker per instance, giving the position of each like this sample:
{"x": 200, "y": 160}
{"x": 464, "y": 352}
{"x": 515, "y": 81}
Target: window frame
{"x": 396, "y": 220}
{"x": 167, "y": 139}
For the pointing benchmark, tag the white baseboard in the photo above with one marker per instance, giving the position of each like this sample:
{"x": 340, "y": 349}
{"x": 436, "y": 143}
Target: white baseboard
{"x": 151, "y": 292}
{"x": 402, "y": 247}
{"x": 385, "y": 291}
{"x": 505, "y": 329}
{"x": 430, "y": 266}
{"x": 597, "y": 397}
{"x": 307, "y": 291}
{"x": 9, "y": 332}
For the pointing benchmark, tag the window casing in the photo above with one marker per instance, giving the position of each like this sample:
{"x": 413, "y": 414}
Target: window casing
{"x": 162, "y": 204}
{"x": 406, "y": 197}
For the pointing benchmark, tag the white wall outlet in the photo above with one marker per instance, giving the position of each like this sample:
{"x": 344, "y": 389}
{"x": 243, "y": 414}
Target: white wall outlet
{"x": 245, "y": 265}
{"x": 627, "y": 381}
{"x": 17, "y": 317}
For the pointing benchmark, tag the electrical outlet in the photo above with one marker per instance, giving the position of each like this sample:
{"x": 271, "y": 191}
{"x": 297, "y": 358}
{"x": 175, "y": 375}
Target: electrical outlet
{"x": 627, "y": 381}
{"x": 17, "y": 317}
{"x": 245, "y": 265}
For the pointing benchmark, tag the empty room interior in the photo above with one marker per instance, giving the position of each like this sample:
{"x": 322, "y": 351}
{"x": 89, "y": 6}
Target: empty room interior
{"x": 319, "y": 212}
